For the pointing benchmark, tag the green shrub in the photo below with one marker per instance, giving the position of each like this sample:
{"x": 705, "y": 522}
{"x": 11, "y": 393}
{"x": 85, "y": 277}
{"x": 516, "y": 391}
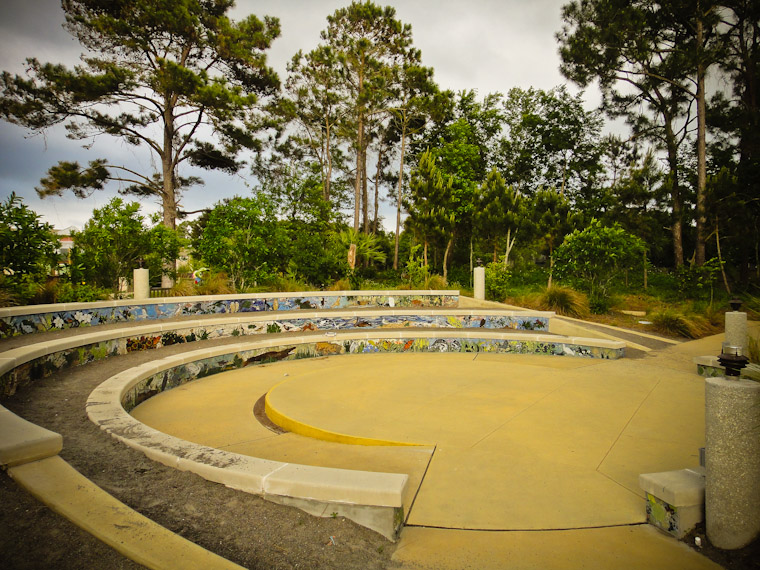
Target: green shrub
{"x": 564, "y": 301}
{"x": 79, "y": 293}
{"x": 417, "y": 273}
{"x": 497, "y": 281}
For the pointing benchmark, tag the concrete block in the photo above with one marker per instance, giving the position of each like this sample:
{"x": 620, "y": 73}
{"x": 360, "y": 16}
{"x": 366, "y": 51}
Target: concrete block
{"x": 386, "y": 521}
{"x": 338, "y": 485}
{"x": 675, "y": 499}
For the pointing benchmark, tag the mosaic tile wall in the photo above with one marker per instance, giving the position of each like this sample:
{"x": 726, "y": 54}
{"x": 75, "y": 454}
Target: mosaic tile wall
{"x": 50, "y": 364}
{"x": 84, "y": 317}
{"x": 206, "y": 367}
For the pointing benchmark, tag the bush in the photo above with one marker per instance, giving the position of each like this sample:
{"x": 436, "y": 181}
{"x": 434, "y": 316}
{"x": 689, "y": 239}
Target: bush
{"x": 79, "y": 293}
{"x": 595, "y": 257}
{"x": 675, "y": 323}
{"x": 497, "y": 281}
{"x": 564, "y": 301}
{"x": 437, "y": 282}
{"x": 417, "y": 273}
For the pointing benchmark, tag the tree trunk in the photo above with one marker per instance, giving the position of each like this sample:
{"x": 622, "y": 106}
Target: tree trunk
{"x": 399, "y": 199}
{"x": 365, "y": 200}
{"x": 646, "y": 275}
{"x": 701, "y": 150}
{"x": 328, "y": 157}
{"x": 510, "y": 244}
{"x": 446, "y": 258}
{"x": 169, "y": 191}
{"x": 676, "y": 199}
{"x": 358, "y": 181}
{"x": 720, "y": 259}
{"x": 377, "y": 188}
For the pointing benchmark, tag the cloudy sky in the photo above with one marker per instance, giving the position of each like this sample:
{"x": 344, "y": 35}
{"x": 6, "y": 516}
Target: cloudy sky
{"x": 486, "y": 45}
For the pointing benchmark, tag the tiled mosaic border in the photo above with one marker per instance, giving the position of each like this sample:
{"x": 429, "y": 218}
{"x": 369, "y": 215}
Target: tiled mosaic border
{"x": 16, "y": 321}
{"x": 202, "y": 368}
{"x": 49, "y": 364}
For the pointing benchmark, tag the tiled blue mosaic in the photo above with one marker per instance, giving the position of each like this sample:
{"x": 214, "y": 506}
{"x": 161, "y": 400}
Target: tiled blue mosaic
{"x": 202, "y": 368}
{"x": 92, "y": 316}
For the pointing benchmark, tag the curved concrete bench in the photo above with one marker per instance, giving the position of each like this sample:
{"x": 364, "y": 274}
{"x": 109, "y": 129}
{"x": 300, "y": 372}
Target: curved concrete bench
{"x": 24, "y": 364}
{"x": 40, "y": 318}
{"x": 371, "y": 499}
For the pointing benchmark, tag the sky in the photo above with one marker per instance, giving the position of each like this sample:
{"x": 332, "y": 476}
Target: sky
{"x": 485, "y": 45}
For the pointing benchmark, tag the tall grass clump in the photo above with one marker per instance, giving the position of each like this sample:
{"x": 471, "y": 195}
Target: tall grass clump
{"x": 753, "y": 349}
{"x": 675, "y": 323}
{"x": 564, "y": 301}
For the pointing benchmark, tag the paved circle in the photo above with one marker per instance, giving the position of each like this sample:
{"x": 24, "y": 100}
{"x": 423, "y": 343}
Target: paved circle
{"x": 510, "y": 442}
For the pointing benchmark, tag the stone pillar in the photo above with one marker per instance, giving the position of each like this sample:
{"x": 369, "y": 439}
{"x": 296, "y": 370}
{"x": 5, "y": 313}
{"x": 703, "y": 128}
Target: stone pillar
{"x": 736, "y": 330}
{"x": 142, "y": 284}
{"x": 732, "y": 462}
{"x": 479, "y": 282}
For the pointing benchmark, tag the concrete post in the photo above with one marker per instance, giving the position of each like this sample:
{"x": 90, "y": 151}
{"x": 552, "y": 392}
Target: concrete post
{"x": 479, "y": 282}
{"x": 732, "y": 462}
{"x": 142, "y": 283}
{"x": 736, "y": 330}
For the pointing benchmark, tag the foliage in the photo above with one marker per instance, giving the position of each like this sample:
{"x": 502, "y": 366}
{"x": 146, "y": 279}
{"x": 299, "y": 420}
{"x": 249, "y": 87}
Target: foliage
{"x": 431, "y": 206}
{"x": 564, "y": 301}
{"x": 116, "y": 240}
{"x": 27, "y": 245}
{"x": 500, "y": 214}
{"x": 369, "y": 45}
{"x": 241, "y": 237}
{"x": 162, "y": 70}
{"x": 67, "y": 292}
{"x": 368, "y": 247}
{"x": 697, "y": 281}
{"x": 417, "y": 271}
{"x": 595, "y": 256}
{"x": 553, "y": 142}
{"x": 497, "y": 281}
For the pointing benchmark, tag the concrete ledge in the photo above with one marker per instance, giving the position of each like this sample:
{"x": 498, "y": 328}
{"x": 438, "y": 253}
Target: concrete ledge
{"x": 368, "y": 498}
{"x": 675, "y": 499}
{"x": 67, "y": 492}
{"x": 22, "y": 441}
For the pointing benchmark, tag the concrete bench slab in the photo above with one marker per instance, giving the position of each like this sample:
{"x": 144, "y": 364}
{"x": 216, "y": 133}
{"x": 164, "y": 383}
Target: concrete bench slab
{"x": 22, "y": 441}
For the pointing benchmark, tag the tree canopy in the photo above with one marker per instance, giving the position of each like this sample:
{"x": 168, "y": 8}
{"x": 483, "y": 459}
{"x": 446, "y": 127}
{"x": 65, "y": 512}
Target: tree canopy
{"x": 167, "y": 75}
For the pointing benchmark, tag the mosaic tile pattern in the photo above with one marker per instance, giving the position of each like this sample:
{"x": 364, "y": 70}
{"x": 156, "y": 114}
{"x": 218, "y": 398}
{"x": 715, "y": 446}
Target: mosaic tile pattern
{"x": 93, "y": 316}
{"x": 47, "y": 365}
{"x": 206, "y": 367}
{"x": 662, "y": 515}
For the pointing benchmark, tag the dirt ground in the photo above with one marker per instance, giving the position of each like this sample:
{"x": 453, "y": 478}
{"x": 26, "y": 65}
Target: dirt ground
{"x": 243, "y": 528}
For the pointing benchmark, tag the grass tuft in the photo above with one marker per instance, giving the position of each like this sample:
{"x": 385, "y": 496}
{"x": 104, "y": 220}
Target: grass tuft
{"x": 675, "y": 323}
{"x": 564, "y": 301}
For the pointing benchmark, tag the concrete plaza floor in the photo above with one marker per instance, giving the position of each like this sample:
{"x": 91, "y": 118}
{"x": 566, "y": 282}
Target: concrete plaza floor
{"x": 521, "y": 462}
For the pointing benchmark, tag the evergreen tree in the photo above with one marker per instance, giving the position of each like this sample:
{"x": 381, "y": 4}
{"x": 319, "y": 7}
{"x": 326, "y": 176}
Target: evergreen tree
{"x": 166, "y": 74}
